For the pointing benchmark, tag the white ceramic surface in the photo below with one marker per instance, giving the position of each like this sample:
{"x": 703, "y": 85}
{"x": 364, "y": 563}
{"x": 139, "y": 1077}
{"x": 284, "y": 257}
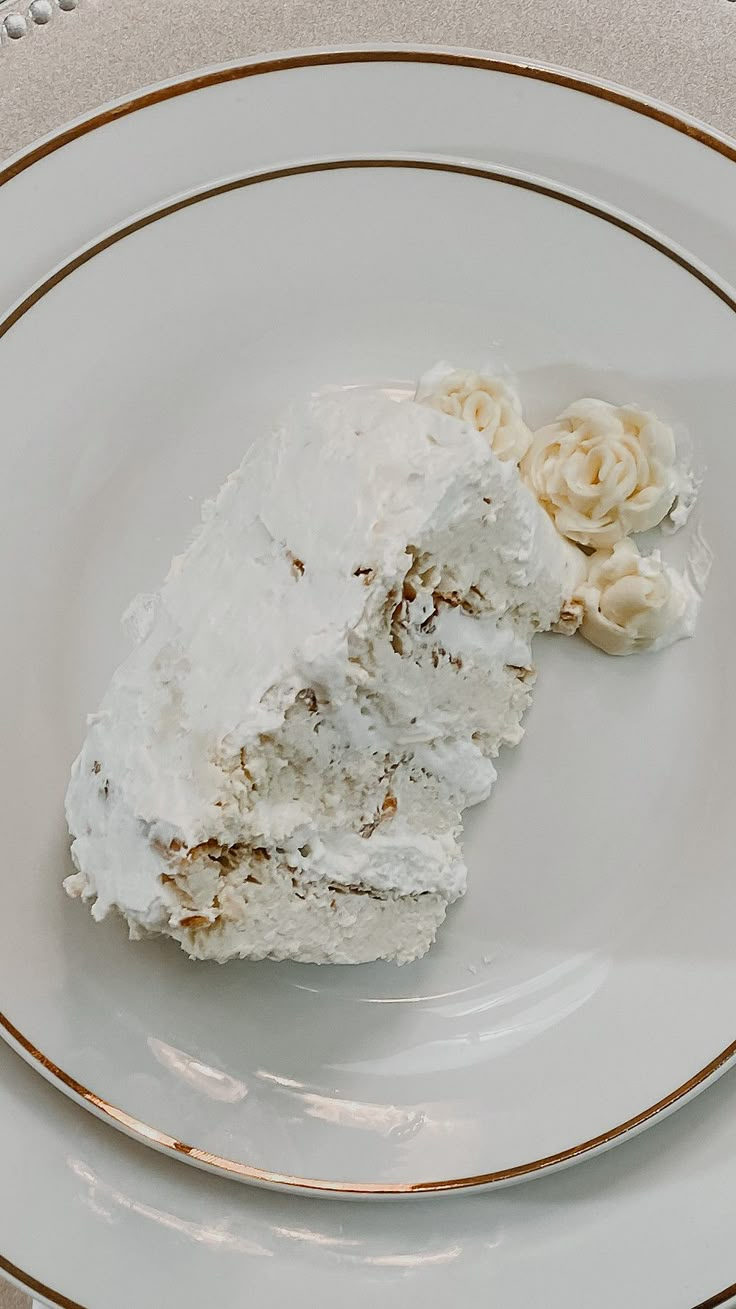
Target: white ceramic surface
{"x": 591, "y": 963}
{"x": 650, "y": 1224}
{"x": 99, "y": 1219}
{"x": 627, "y": 150}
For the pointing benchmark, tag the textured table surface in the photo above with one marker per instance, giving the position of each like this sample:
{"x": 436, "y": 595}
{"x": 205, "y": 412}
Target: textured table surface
{"x": 681, "y": 51}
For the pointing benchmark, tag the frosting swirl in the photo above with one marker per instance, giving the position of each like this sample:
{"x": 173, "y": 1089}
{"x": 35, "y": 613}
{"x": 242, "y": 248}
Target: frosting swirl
{"x": 489, "y": 404}
{"x": 633, "y": 602}
{"x": 602, "y": 471}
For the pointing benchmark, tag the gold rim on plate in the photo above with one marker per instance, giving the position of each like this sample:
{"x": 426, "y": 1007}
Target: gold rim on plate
{"x": 163, "y": 1140}
{"x": 614, "y": 95}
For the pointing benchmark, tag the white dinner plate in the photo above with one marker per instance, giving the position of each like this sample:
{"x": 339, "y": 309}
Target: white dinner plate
{"x": 583, "y": 987}
{"x": 90, "y": 1220}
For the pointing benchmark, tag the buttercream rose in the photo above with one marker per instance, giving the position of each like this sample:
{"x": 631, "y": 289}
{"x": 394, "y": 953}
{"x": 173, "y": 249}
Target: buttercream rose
{"x": 489, "y": 404}
{"x": 602, "y": 471}
{"x": 633, "y": 602}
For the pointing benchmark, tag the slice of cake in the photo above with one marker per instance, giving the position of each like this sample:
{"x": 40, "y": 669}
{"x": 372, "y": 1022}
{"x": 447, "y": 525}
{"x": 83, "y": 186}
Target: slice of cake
{"x": 279, "y": 768}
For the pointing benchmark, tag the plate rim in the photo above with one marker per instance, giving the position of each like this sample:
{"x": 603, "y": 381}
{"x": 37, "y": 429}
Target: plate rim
{"x": 132, "y": 1193}
{"x": 131, "y": 1124}
{"x": 359, "y": 53}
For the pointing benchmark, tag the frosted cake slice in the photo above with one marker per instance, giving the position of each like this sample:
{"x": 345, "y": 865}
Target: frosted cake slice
{"x": 279, "y": 768}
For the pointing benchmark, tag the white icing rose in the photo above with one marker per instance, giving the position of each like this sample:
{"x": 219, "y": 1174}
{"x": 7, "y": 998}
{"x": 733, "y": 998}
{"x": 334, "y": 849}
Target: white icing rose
{"x": 633, "y": 602}
{"x": 602, "y": 471}
{"x": 488, "y": 403}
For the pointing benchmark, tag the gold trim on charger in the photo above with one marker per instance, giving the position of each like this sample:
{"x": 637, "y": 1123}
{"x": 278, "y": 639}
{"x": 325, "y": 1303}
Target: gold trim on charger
{"x": 183, "y": 86}
{"x": 235, "y": 73}
{"x": 163, "y": 1140}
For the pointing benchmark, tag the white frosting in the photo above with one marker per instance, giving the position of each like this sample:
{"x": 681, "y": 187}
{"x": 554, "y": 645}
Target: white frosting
{"x": 279, "y": 766}
{"x": 687, "y": 495}
{"x": 489, "y": 404}
{"x": 603, "y": 471}
{"x": 571, "y": 615}
{"x": 633, "y": 602}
